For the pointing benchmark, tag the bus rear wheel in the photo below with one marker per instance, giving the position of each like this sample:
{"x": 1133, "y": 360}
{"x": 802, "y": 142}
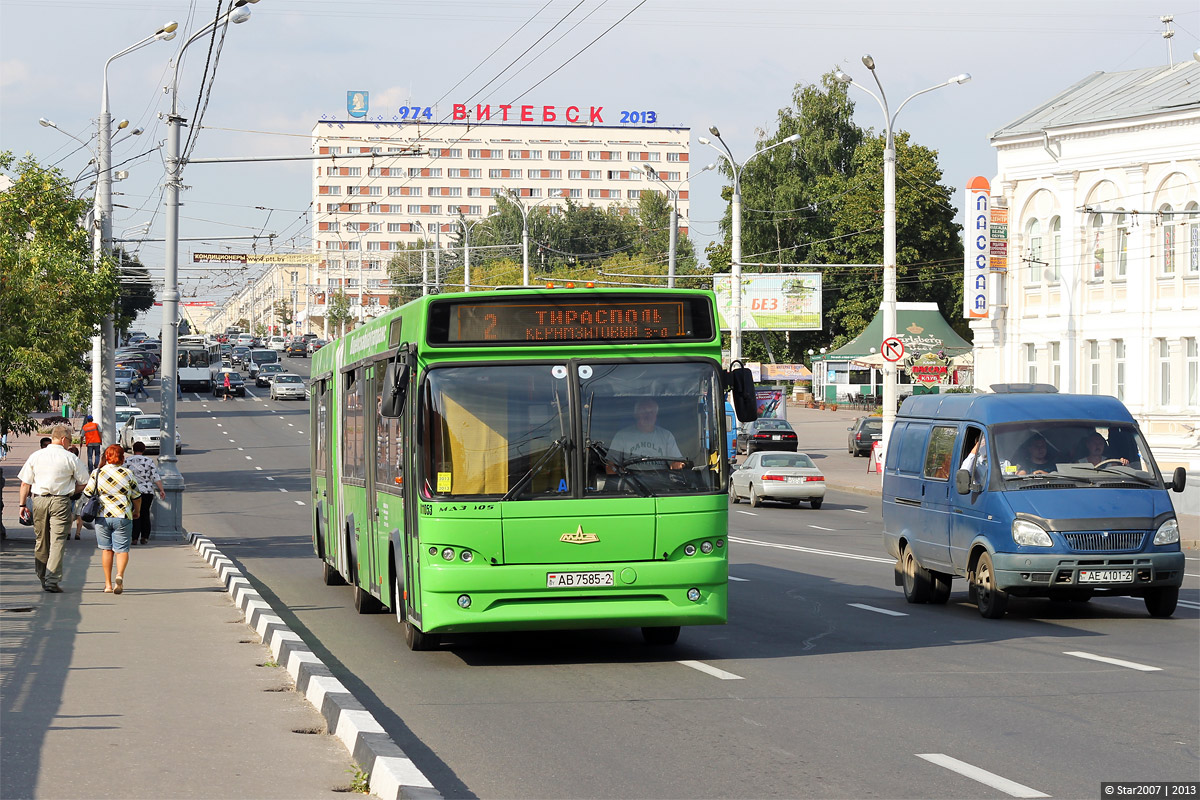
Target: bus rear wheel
{"x": 365, "y": 602}
{"x": 331, "y": 576}
{"x": 662, "y": 635}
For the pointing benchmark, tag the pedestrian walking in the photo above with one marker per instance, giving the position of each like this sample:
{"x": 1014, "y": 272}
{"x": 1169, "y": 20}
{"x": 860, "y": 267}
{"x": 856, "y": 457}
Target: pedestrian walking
{"x": 139, "y": 385}
{"x": 117, "y": 489}
{"x": 228, "y": 389}
{"x": 91, "y": 438}
{"x": 51, "y": 476}
{"x": 148, "y": 479}
{"x": 76, "y": 502}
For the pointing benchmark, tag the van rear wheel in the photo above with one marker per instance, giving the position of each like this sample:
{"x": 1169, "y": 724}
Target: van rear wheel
{"x": 916, "y": 578}
{"x": 992, "y": 601}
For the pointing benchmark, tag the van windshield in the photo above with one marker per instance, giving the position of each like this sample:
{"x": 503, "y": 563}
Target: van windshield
{"x": 1082, "y": 452}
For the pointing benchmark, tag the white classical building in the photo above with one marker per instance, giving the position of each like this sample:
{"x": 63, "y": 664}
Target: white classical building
{"x": 1102, "y": 292}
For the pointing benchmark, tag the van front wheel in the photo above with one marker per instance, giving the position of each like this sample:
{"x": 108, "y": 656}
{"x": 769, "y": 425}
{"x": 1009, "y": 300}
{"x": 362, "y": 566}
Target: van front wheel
{"x": 916, "y": 578}
{"x": 1162, "y": 602}
{"x": 992, "y": 602}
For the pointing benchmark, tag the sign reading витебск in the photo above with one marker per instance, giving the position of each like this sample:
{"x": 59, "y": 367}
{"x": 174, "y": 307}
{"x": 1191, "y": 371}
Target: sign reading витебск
{"x": 358, "y": 106}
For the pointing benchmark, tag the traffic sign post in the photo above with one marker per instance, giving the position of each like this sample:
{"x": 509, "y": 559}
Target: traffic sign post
{"x": 892, "y": 349}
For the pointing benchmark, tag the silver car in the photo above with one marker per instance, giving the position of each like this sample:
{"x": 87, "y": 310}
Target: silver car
{"x": 788, "y": 477}
{"x": 147, "y": 429}
{"x": 287, "y": 385}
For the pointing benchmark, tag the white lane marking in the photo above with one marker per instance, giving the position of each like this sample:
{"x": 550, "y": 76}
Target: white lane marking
{"x": 812, "y": 550}
{"x": 241, "y": 448}
{"x": 258, "y": 399}
{"x": 299, "y": 431}
{"x": 231, "y": 441}
{"x": 1184, "y": 603}
{"x": 299, "y": 502}
{"x": 1011, "y": 788}
{"x": 739, "y": 580}
{"x": 259, "y": 469}
{"x": 716, "y": 673}
{"x": 1190, "y": 575}
{"x": 270, "y": 478}
{"x": 219, "y": 425}
{"x": 1189, "y": 604}
{"x": 282, "y": 417}
{"x": 747, "y": 513}
{"x": 878, "y": 610}
{"x": 248, "y": 458}
{"x": 1115, "y": 661}
{"x": 283, "y": 490}
{"x": 252, "y": 394}
{"x": 818, "y": 527}
{"x": 855, "y": 511}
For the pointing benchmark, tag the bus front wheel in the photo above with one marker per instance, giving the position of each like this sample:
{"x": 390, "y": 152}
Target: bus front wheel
{"x": 416, "y": 639}
{"x": 661, "y": 636}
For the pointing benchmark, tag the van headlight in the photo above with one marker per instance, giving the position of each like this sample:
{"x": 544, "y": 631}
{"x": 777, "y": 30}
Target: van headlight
{"x": 1029, "y": 534}
{"x": 1167, "y": 533}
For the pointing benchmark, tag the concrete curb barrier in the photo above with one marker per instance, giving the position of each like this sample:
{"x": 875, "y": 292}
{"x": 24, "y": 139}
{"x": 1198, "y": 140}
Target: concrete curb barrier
{"x": 393, "y": 774}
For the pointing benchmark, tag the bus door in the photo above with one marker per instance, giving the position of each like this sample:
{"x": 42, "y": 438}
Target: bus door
{"x": 369, "y": 540}
{"x": 322, "y": 468}
{"x": 411, "y": 444}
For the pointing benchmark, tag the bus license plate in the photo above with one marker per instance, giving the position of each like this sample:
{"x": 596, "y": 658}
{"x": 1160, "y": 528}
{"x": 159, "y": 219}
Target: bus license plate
{"x": 1106, "y": 576}
{"x": 559, "y": 580}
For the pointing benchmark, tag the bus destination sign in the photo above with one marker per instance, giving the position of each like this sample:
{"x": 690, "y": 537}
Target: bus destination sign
{"x": 570, "y": 320}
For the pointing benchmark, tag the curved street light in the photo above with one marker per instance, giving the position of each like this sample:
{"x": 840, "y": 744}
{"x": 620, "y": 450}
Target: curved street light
{"x": 735, "y": 287}
{"x": 512, "y": 195}
{"x": 467, "y": 226}
{"x": 653, "y": 174}
{"x": 889, "y": 225}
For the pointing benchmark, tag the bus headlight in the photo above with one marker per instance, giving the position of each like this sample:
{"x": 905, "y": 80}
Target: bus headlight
{"x": 448, "y": 553}
{"x": 1167, "y": 533}
{"x": 689, "y": 550}
{"x": 464, "y": 601}
{"x": 693, "y": 594}
{"x": 1029, "y": 534}
{"x": 706, "y": 547}
{"x": 467, "y": 556}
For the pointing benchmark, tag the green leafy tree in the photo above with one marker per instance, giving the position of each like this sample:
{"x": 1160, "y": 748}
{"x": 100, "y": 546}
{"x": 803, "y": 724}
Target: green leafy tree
{"x": 338, "y": 313}
{"x": 283, "y": 313}
{"x": 52, "y": 295}
{"x": 137, "y": 290}
{"x": 242, "y": 324}
{"x": 260, "y": 329}
{"x": 820, "y": 201}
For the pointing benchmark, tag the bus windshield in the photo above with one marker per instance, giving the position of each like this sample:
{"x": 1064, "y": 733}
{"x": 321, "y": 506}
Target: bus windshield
{"x": 193, "y": 358}
{"x": 547, "y": 431}
{"x": 1082, "y": 452}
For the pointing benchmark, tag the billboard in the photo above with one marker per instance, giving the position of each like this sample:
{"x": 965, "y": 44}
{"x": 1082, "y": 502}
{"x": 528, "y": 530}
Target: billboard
{"x": 977, "y": 249}
{"x": 772, "y": 301}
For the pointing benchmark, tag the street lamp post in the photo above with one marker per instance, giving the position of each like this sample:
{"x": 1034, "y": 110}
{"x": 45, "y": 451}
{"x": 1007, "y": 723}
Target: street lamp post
{"x": 735, "y": 283}
{"x": 525, "y": 232}
{"x": 169, "y": 519}
{"x": 467, "y": 226}
{"x": 674, "y": 195}
{"x": 889, "y": 227}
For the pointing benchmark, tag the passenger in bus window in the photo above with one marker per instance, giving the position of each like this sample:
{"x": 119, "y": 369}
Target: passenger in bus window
{"x": 645, "y": 439}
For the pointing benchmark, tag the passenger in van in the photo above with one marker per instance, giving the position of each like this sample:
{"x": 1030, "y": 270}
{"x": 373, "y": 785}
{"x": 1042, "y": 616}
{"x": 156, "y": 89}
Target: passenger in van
{"x": 1035, "y": 457}
{"x": 976, "y": 461}
{"x": 1095, "y": 446}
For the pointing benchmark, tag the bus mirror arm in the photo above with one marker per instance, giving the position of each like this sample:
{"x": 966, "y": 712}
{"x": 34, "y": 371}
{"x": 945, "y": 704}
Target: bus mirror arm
{"x": 395, "y": 388}
{"x": 740, "y": 383}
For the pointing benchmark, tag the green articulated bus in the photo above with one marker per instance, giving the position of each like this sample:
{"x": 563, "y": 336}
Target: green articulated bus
{"x": 521, "y": 459}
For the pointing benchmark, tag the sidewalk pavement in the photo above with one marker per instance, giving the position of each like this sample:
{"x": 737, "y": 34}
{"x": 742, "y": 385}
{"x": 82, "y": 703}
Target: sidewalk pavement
{"x": 162, "y": 691}
{"x": 822, "y": 434}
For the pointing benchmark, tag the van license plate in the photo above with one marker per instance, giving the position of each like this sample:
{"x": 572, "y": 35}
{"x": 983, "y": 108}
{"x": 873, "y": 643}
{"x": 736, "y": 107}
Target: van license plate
{"x": 1106, "y": 576}
{"x": 559, "y": 580}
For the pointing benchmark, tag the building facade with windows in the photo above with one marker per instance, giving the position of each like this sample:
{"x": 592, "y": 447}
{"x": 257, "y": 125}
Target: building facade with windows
{"x": 1102, "y": 291}
{"x": 420, "y": 179}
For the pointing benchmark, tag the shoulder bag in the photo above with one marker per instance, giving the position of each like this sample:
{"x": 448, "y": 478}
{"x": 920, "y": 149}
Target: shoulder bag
{"x": 91, "y": 508}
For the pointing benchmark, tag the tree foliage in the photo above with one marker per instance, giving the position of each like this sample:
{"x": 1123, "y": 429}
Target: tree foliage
{"x": 820, "y": 201}
{"x": 52, "y": 295}
{"x": 283, "y": 313}
{"x": 338, "y": 313}
{"x": 137, "y": 291}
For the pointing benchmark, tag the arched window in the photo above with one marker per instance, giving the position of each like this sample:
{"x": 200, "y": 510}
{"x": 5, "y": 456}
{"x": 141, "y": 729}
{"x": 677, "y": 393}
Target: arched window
{"x": 1193, "y": 238}
{"x": 1167, "y": 224}
{"x": 1056, "y": 249}
{"x": 1095, "y": 243}
{"x": 1122, "y": 225}
{"x": 1033, "y": 235}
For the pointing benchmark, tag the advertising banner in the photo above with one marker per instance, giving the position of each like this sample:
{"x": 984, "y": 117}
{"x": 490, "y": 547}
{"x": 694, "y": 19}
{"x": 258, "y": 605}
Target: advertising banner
{"x": 258, "y": 258}
{"x": 976, "y": 249}
{"x": 770, "y": 401}
{"x": 772, "y": 301}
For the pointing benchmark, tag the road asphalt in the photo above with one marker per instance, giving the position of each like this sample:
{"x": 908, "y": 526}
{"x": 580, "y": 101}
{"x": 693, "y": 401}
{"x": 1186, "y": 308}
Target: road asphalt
{"x": 169, "y": 690}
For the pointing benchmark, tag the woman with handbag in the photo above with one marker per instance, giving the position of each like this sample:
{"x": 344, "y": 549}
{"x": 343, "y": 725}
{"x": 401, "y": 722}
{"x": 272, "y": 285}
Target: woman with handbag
{"x": 115, "y": 487}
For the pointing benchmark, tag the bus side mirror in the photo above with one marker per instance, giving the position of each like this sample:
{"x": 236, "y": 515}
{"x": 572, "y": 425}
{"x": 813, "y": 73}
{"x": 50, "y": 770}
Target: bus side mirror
{"x": 740, "y": 381}
{"x": 1179, "y": 479}
{"x": 962, "y": 481}
{"x": 395, "y": 388}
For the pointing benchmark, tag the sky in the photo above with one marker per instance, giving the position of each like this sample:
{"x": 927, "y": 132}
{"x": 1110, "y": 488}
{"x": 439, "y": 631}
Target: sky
{"x": 695, "y": 63}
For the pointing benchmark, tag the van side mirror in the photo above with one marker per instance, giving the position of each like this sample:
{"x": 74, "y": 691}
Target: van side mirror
{"x": 395, "y": 389}
{"x": 962, "y": 481}
{"x": 740, "y": 382}
{"x": 1179, "y": 479}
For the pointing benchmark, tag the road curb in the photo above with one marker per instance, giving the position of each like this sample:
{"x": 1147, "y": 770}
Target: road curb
{"x": 393, "y": 774}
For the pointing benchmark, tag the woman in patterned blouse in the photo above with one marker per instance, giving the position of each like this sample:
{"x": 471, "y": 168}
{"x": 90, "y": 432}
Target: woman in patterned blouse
{"x": 117, "y": 488}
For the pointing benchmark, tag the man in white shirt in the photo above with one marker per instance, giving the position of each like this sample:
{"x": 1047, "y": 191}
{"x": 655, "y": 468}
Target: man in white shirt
{"x": 644, "y": 438}
{"x": 51, "y": 475}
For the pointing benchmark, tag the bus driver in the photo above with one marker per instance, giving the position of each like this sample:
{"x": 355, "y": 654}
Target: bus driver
{"x": 645, "y": 439}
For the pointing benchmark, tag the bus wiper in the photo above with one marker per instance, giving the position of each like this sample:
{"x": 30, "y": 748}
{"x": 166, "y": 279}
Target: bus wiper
{"x": 555, "y": 446}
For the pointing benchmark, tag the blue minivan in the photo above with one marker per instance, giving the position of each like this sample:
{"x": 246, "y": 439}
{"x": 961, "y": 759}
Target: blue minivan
{"x": 1029, "y": 493}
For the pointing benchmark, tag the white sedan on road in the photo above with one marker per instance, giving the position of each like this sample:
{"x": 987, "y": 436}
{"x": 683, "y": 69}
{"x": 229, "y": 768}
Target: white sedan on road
{"x": 787, "y": 477}
{"x": 287, "y": 385}
{"x": 147, "y": 429}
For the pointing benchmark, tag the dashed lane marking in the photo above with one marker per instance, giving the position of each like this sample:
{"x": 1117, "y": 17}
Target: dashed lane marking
{"x": 1010, "y": 788}
{"x": 283, "y": 490}
{"x": 711, "y": 670}
{"x": 739, "y": 580}
{"x": 889, "y": 612}
{"x": 855, "y": 511}
{"x": 241, "y": 448}
{"x": 818, "y": 527}
{"x": 747, "y": 513}
{"x": 270, "y": 478}
{"x": 1114, "y": 661}
{"x": 812, "y": 550}
{"x": 299, "y": 502}
{"x": 248, "y": 458}
{"x": 258, "y": 468}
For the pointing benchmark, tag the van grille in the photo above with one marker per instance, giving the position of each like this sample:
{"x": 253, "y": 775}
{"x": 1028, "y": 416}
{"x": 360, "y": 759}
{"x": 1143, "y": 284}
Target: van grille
{"x": 1097, "y": 541}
